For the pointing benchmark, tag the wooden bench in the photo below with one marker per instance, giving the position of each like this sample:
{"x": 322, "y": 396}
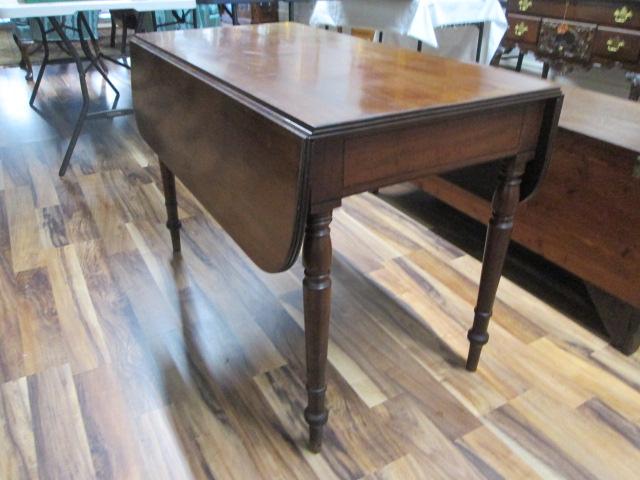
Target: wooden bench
{"x": 586, "y": 216}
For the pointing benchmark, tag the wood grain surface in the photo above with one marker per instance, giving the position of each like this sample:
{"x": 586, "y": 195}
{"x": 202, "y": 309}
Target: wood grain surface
{"x": 617, "y": 122}
{"x": 591, "y": 182}
{"x": 325, "y": 81}
{"x": 118, "y": 360}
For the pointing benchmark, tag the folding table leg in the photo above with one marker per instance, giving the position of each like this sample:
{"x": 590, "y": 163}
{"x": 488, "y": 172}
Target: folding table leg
{"x": 94, "y": 59}
{"x": 94, "y": 41}
{"x": 85, "y": 94}
{"x": 45, "y": 61}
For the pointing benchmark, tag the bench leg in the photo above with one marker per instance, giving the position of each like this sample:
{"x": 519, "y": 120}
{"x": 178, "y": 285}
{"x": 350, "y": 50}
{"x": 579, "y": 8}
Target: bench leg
{"x": 171, "y": 202}
{"x": 316, "y": 257}
{"x": 621, "y": 320}
{"x": 505, "y": 202}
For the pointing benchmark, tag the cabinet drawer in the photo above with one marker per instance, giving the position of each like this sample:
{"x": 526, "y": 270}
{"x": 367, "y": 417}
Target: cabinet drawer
{"x": 523, "y": 28}
{"x": 617, "y": 45}
{"x": 617, "y": 14}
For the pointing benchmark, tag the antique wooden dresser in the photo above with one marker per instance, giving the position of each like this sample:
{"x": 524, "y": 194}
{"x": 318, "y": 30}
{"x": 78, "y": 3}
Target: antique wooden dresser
{"x": 566, "y": 33}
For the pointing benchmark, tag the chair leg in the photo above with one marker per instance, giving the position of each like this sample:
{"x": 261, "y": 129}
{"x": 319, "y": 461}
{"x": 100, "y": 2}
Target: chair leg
{"x": 545, "y": 70}
{"x": 316, "y": 257}
{"x": 112, "y": 38}
{"x": 505, "y": 202}
{"x": 123, "y": 46}
{"x": 495, "y": 61}
{"x": 25, "y": 59}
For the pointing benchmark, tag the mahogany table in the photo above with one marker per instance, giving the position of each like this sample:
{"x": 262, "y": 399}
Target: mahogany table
{"x": 271, "y": 139}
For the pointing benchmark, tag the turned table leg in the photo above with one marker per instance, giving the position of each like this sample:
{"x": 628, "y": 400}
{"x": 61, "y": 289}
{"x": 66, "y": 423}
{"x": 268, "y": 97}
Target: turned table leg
{"x": 505, "y": 202}
{"x": 170, "y": 201}
{"x": 316, "y": 257}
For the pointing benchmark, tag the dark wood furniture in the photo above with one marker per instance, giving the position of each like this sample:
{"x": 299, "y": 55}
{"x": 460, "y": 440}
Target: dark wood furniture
{"x": 586, "y": 217}
{"x": 261, "y": 11}
{"x": 130, "y": 20}
{"x": 272, "y": 130}
{"x": 567, "y": 33}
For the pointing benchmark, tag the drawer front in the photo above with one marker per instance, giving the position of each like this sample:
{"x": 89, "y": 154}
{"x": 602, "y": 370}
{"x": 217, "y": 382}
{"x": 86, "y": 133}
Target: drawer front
{"x": 571, "y": 41}
{"x": 617, "y": 14}
{"x": 617, "y": 45}
{"x": 523, "y": 29}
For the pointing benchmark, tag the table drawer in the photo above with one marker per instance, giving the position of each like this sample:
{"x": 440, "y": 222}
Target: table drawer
{"x": 617, "y": 45}
{"x": 619, "y": 14}
{"x": 523, "y": 28}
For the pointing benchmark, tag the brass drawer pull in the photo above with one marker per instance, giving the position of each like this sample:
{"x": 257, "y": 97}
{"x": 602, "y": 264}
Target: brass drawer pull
{"x": 615, "y": 44}
{"x": 621, "y": 15}
{"x": 520, "y": 29}
{"x": 524, "y": 5}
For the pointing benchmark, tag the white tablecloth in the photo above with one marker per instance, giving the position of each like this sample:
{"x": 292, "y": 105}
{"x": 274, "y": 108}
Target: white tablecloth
{"x": 418, "y": 19}
{"x": 17, "y": 9}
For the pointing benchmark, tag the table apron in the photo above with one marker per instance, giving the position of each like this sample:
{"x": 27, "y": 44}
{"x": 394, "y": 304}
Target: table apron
{"x": 375, "y": 160}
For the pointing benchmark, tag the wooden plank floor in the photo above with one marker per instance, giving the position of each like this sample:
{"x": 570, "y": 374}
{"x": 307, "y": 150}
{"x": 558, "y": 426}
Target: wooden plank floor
{"x": 119, "y": 361}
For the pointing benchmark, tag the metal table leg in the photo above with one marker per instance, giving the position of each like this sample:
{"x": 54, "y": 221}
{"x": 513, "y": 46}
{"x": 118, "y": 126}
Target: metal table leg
{"x": 84, "y": 111}
{"x": 45, "y": 61}
{"x": 94, "y": 59}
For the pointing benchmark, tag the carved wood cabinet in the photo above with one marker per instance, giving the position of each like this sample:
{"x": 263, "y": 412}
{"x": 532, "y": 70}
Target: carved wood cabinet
{"x": 564, "y": 33}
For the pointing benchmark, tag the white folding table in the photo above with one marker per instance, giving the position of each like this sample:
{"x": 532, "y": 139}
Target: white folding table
{"x": 418, "y": 18}
{"x": 52, "y": 10}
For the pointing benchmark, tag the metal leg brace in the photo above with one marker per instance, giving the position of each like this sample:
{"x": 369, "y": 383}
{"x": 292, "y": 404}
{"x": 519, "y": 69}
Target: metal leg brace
{"x": 84, "y": 110}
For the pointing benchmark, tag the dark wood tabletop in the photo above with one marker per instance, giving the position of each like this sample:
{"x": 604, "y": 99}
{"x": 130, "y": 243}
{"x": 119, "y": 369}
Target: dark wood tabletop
{"x": 323, "y": 82}
{"x": 270, "y": 126}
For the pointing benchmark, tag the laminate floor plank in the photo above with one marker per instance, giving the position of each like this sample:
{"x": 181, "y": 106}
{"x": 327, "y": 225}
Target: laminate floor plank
{"x": 24, "y": 231}
{"x": 114, "y": 445}
{"x": 120, "y": 360}
{"x": 62, "y": 446}
{"x": 19, "y": 458}
{"x": 41, "y": 333}
{"x": 80, "y": 325}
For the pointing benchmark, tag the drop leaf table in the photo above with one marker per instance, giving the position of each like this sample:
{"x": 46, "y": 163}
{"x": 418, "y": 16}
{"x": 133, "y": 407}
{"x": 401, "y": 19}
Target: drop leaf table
{"x": 271, "y": 125}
